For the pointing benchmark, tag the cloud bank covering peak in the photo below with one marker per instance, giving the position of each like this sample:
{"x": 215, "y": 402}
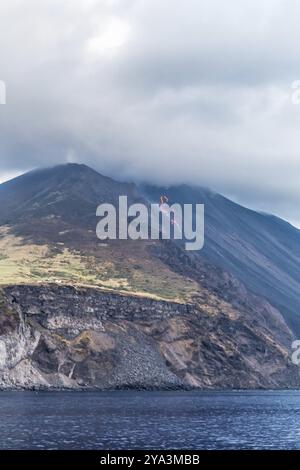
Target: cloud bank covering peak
{"x": 170, "y": 91}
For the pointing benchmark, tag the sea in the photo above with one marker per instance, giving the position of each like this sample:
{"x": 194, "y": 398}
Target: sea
{"x": 150, "y": 420}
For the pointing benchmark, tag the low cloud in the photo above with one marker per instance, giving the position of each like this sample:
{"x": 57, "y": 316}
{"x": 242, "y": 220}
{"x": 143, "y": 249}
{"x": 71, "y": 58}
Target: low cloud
{"x": 171, "y": 92}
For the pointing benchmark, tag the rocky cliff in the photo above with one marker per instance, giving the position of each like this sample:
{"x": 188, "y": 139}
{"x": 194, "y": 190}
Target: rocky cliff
{"x": 60, "y": 336}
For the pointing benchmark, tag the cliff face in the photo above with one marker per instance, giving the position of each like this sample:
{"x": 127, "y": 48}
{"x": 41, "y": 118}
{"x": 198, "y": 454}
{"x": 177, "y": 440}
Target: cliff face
{"x": 56, "y": 336}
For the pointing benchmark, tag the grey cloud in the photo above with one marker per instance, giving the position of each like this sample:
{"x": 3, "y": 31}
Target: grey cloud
{"x": 173, "y": 91}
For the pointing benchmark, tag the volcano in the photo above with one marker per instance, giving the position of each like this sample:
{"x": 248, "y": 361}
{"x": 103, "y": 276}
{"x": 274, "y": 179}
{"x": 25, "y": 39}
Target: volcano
{"x": 77, "y": 312}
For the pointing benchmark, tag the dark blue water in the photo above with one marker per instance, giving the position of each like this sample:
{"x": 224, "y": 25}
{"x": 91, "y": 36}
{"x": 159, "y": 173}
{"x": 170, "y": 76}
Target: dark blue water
{"x": 145, "y": 420}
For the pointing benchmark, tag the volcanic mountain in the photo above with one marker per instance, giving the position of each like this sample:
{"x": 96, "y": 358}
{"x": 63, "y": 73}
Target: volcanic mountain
{"x": 76, "y": 312}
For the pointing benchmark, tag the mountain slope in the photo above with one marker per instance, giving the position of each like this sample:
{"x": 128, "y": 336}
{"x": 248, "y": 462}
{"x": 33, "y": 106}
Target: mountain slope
{"x": 261, "y": 250}
{"x": 70, "y": 192}
{"x": 48, "y": 234}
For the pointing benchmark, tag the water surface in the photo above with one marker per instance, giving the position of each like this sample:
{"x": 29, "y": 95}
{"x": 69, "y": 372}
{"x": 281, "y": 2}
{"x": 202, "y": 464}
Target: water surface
{"x": 150, "y": 420}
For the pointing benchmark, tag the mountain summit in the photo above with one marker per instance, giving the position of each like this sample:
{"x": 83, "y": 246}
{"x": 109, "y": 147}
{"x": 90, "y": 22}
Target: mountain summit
{"x": 69, "y": 191}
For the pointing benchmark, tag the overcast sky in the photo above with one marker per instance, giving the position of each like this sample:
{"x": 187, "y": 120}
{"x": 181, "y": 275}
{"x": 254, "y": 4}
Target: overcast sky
{"x": 167, "y": 91}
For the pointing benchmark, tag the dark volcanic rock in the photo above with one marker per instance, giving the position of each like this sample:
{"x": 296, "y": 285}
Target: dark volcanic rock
{"x": 65, "y": 337}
